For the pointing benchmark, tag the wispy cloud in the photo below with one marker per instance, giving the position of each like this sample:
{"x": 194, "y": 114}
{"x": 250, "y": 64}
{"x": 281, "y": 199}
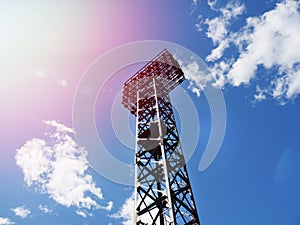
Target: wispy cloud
{"x": 6, "y": 221}
{"x": 212, "y": 4}
{"x": 45, "y": 210}
{"x": 21, "y": 211}
{"x": 83, "y": 213}
{"x": 194, "y": 6}
{"x": 57, "y": 166}
{"x": 269, "y": 41}
{"x": 109, "y": 206}
{"x": 218, "y": 27}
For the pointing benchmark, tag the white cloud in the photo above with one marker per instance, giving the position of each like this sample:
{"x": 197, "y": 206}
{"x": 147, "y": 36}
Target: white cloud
{"x": 269, "y": 41}
{"x": 59, "y": 127}
{"x": 45, "y": 210}
{"x": 126, "y": 212}
{"x": 293, "y": 83}
{"x": 274, "y": 41}
{"x": 21, "y": 211}
{"x": 218, "y": 27}
{"x": 212, "y": 4}
{"x": 260, "y": 94}
{"x": 83, "y": 213}
{"x": 57, "y": 166}
{"x": 6, "y": 221}
{"x": 197, "y": 73}
{"x": 218, "y": 51}
{"x": 109, "y": 206}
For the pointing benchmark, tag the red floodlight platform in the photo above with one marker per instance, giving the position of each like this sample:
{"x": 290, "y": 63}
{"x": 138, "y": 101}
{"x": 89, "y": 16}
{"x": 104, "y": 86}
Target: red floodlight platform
{"x": 167, "y": 73}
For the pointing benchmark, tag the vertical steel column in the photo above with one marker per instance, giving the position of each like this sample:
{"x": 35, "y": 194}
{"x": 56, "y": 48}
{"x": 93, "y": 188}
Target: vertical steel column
{"x": 163, "y": 191}
{"x": 135, "y": 159}
{"x": 164, "y": 161}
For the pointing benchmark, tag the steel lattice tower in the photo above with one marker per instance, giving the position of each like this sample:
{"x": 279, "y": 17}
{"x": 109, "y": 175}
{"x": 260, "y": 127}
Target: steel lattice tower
{"x": 163, "y": 193}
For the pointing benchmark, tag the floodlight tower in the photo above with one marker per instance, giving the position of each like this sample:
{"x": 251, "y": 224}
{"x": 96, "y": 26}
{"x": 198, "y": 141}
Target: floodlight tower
{"x": 163, "y": 194}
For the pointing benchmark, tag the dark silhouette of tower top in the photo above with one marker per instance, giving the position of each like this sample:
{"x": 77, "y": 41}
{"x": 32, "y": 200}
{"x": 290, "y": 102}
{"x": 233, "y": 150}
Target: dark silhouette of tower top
{"x": 166, "y": 71}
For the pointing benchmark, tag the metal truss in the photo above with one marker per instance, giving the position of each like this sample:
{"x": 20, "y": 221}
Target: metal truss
{"x": 163, "y": 194}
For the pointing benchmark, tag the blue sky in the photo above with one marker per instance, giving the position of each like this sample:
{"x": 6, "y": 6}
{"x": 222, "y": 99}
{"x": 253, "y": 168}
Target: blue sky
{"x": 47, "y": 50}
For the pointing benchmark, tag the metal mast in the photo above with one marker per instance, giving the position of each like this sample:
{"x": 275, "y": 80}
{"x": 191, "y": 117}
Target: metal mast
{"x": 163, "y": 194}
